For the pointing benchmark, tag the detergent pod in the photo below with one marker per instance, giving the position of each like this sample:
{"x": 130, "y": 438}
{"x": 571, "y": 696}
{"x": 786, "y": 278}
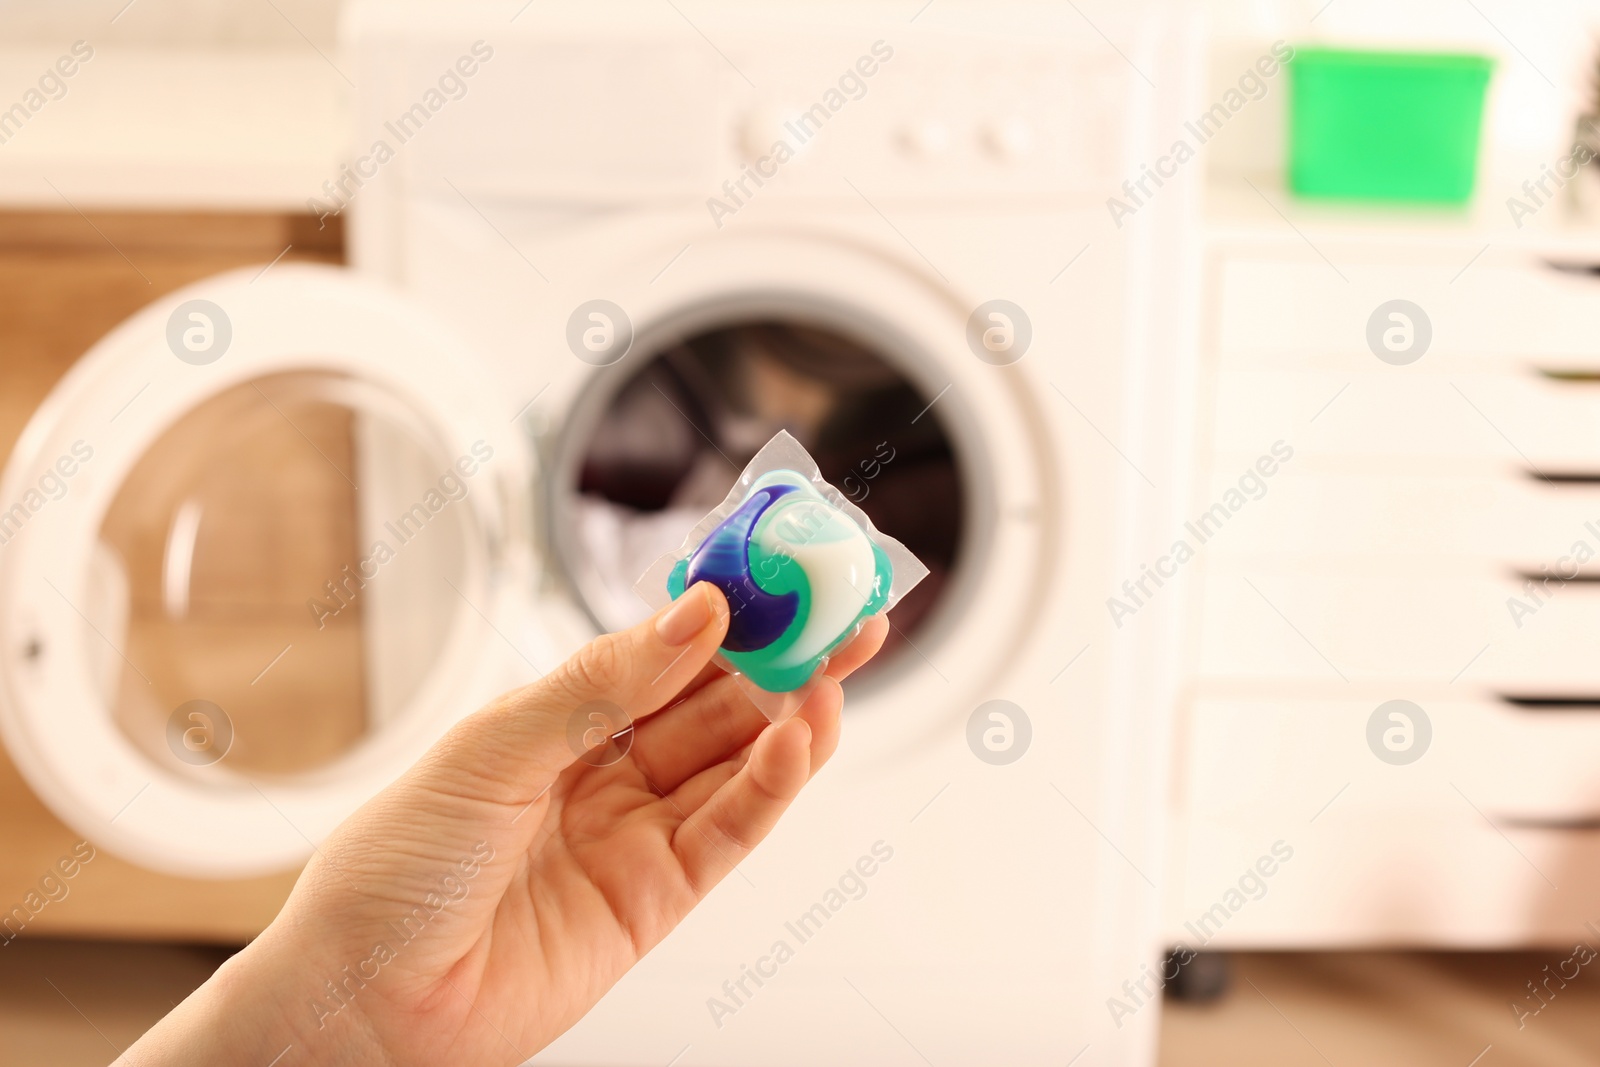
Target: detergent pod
{"x": 802, "y": 569}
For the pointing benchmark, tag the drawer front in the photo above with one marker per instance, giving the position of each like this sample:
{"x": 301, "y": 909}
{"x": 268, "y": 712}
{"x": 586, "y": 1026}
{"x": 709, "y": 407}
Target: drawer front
{"x": 1515, "y": 420}
{"x": 1464, "y": 846}
{"x": 1356, "y": 881}
{"x": 1480, "y": 521}
{"x": 1503, "y": 306}
{"x": 1332, "y": 626}
{"x": 1520, "y": 766}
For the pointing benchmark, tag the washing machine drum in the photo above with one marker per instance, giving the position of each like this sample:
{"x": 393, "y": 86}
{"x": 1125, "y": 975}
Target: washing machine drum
{"x": 254, "y": 548}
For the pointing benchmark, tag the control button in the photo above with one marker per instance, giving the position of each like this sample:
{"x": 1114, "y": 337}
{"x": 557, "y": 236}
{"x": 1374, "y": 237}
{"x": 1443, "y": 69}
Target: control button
{"x": 926, "y": 138}
{"x": 1009, "y": 140}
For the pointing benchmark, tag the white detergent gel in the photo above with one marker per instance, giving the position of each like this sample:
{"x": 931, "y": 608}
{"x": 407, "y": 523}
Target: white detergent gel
{"x": 837, "y": 557}
{"x": 801, "y": 567}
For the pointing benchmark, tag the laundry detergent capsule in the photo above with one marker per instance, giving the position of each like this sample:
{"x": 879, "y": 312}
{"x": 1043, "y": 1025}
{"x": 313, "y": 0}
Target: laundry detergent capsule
{"x": 801, "y": 567}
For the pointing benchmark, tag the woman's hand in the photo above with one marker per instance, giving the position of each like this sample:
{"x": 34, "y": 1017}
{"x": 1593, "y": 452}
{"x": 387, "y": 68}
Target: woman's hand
{"x": 480, "y": 905}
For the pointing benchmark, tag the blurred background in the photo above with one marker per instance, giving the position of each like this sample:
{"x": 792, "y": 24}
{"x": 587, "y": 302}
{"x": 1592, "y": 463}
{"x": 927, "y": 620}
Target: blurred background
{"x": 1230, "y": 364}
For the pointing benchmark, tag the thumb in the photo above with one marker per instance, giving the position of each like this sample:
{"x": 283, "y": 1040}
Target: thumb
{"x": 643, "y": 668}
{"x": 516, "y": 746}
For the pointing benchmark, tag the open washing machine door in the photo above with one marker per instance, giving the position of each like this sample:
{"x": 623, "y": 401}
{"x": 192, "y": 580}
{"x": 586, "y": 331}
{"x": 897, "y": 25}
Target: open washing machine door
{"x": 260, "y": 548}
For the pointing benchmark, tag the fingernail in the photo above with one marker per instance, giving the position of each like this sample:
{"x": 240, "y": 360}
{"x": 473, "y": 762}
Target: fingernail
{"x": 686, "y": 618}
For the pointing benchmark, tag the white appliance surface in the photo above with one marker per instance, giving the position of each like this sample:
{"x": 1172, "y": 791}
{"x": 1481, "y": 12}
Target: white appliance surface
{"x": 973, "y": 166}
{"x": 512, "y": 166}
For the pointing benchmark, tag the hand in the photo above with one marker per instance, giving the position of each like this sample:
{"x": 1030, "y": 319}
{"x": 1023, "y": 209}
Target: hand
{"x": 480, "y": 905}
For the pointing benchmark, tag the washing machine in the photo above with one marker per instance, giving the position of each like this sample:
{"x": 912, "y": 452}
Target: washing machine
{"x": 601, "y": 253}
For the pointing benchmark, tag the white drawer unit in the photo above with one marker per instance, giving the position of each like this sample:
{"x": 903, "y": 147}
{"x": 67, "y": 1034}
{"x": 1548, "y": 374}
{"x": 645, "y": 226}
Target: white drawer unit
{"x": 1434, "y": 539}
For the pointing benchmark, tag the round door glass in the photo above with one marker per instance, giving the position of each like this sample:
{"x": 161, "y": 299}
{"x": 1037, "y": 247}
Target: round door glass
{"x": 276, "y": 575}
{"x": 671, "y": 440}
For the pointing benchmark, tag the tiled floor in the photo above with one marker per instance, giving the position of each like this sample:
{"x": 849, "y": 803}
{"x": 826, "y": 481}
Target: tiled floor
{"x": 1400, "y": 1009}
{"x": 1284, "y": 1010}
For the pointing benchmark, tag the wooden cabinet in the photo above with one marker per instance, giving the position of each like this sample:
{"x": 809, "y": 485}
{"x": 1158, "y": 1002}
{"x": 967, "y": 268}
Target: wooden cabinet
{"x": 68, "y": 279}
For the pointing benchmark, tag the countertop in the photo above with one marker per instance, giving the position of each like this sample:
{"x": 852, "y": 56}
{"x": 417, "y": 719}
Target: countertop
{"x": 152, "y": 129}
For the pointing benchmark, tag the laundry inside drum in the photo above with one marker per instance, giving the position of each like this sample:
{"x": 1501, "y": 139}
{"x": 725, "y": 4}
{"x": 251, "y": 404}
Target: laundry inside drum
{"x": 669, "y": 443}
{"x": 273, "y": 581}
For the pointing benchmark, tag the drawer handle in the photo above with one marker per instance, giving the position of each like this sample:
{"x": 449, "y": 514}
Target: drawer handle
{"x": 1571, "y": 375}
{"x": 1581, "y": 578}
{"x": 1572, "y": 477}
{"x": 1549, "y": 822}
{"x": 1570, "y": 267}
{"x": 1552, "y": 702}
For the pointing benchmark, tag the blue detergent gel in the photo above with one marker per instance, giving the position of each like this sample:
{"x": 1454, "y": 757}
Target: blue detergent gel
{"x": 799, "y": 575}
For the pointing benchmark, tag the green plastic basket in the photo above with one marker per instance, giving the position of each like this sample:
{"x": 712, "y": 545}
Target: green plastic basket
{"x": 1396, "y": 126}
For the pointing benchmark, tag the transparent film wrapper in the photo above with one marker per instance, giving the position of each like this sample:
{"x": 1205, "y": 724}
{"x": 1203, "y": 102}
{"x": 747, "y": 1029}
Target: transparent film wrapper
{"x": 802, "y": 567}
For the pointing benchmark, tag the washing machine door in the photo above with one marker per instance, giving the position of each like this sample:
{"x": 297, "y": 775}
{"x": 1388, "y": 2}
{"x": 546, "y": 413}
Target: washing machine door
{"x": 258, "y": 549}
